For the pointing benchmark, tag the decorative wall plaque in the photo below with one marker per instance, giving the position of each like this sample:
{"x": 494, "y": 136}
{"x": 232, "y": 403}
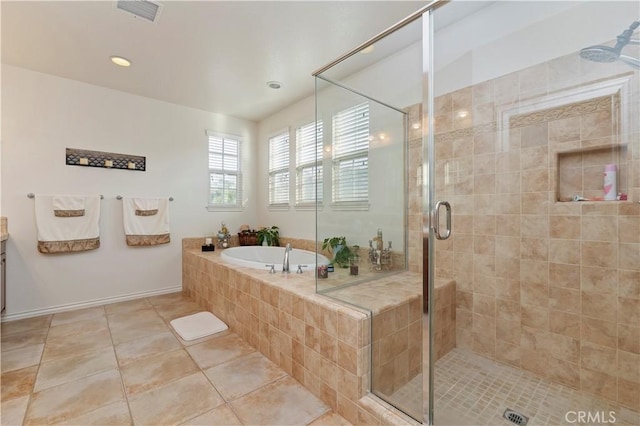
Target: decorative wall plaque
{"x": 108, "y": 160}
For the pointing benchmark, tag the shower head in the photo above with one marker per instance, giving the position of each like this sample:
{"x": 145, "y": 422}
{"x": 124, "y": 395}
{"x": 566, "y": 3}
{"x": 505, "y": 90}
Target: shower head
{"x": 606, "y": 54}
{"x": 600, "y": 54}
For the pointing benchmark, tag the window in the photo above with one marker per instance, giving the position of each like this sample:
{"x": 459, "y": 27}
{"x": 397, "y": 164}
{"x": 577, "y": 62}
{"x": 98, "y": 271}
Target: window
{"x": 351, "y": 155}
{"x": 308, "y": 163}
{"x": 225, "y": 177}
{"x": 279, "y": 169}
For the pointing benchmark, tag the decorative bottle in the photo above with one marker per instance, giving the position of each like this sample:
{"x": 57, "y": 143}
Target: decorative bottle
{"x": 610, "y": 186}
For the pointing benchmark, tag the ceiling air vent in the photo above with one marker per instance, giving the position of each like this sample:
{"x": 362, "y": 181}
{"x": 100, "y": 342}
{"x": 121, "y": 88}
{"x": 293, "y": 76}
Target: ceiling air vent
{"x": 144, "y": 9}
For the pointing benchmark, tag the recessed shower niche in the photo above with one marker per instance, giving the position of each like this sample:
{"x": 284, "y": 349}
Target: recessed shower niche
{"x": 580, "y": 172}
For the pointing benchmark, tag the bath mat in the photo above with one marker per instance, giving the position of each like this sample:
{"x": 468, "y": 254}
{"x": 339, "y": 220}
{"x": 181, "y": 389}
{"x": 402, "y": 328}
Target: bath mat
{"x": 198, "y": 325}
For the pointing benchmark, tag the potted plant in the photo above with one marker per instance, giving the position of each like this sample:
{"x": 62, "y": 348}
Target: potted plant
{"x": 338, "y": 247}
{"x": 269, "y": 236}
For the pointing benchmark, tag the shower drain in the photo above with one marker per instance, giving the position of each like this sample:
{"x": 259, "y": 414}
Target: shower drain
{"x": 515, "y": 417}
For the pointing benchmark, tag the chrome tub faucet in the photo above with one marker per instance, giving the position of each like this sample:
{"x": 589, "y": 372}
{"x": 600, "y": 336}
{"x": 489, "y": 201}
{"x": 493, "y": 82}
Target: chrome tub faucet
{"x": 285, "y": 261}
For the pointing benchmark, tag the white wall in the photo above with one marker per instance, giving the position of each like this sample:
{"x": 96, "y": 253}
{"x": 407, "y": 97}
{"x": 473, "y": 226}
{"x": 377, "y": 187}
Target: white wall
{"x": 41, "y": 116}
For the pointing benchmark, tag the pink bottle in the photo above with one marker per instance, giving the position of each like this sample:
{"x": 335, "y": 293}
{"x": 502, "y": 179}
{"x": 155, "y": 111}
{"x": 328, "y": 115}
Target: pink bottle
{"x": 610, "y": 182}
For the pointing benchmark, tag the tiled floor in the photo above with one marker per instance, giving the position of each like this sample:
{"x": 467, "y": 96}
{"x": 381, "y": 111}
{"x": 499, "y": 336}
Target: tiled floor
{"x": 473, "y": 390}
{"x": 122, "y": 364}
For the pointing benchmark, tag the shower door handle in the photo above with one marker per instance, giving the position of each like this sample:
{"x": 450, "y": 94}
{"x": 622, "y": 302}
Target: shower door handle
{"x": 436, "y": 220}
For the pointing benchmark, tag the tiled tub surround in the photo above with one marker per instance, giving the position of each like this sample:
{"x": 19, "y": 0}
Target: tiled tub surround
{"x": 551, "y": 287}
{"x": 397, "y": 344}
{"x": 321, "y": 343}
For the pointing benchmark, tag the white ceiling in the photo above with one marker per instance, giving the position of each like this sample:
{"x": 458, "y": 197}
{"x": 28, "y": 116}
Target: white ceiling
{"x": 211, "y": 55}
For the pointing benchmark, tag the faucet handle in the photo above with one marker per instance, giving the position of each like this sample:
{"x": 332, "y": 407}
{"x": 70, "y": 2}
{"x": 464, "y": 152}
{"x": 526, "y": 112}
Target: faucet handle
{"x": 299, "y": 271}
{"x": 273, "y": 269}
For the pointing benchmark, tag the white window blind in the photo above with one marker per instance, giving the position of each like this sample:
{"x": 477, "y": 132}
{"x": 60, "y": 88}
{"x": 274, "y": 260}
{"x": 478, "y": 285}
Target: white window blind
{"x": 225, "y": 177}
{"x": 351, "y": 155}
{"x": 279, "y": 169}
{"x": 309, "y": 163}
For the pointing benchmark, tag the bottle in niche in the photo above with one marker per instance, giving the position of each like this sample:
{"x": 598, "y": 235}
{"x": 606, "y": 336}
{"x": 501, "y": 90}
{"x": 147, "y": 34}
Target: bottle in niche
{"x": 610, "y": 185}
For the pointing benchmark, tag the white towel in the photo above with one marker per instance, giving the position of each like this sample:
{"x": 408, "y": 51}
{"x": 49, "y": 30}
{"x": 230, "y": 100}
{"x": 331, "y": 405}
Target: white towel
{"x": 157, "y": 224}
{"x": 53, "y": 228}
{"x": 67, "y": 202}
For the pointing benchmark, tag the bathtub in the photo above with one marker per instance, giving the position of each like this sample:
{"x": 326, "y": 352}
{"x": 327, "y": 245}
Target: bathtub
{"x": 257, "y": 257}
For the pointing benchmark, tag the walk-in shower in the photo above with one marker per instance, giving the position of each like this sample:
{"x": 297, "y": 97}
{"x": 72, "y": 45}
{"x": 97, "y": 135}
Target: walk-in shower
{"x": 533, "y": 308}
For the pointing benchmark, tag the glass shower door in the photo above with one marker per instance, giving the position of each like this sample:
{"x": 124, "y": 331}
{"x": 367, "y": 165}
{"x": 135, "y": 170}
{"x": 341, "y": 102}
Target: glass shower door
{"x": 526, "y": 124}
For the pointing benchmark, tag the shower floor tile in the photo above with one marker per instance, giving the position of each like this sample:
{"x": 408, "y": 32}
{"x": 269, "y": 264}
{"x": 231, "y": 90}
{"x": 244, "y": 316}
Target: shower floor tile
{"x": 470, "y": 390}
{"x": 122, "y": 364}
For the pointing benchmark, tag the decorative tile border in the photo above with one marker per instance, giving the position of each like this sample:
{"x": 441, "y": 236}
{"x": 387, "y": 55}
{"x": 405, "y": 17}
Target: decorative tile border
{"x": 564, "y": 111}
{"x": 466, "y": 132}
{"x": 108, "y": 160}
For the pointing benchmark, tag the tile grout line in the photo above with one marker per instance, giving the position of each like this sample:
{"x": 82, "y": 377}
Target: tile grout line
{"x": 44, "y": 347}
{"x": 122, "y": 386}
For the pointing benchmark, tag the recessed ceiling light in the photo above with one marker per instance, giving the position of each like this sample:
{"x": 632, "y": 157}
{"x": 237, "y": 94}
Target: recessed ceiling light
{"x": 274, "y": 84}
{"x": 119, "y": 60}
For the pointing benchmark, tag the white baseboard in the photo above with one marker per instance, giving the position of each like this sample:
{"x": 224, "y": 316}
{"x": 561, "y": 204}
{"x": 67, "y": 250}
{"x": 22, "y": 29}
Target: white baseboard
{"x": 88, "y": 304}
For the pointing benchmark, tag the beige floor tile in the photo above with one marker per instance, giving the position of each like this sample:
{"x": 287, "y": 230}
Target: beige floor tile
{"x": 284, "y": 402}
{"x": 26, "y": 338}
{"x": 27, "y": 324}
{"x": 66, "y": 370}
{"x": 21, "y": 358}
{"x": 149, "y": 346}
{"x": 128, "y": 306}
{"x": 78, "y": 327}
{"x": 243, "y": 375}
{"x": 126, "y": 319}
{"x": 68, "y": 346}
{"x": 60, "y": 403}
{"x": 138, "y": 330}
{"x": 452, "y": 418}
{"x": 219, "y": 350}
{"x": 177, "y": 310}
{"x": 149, "y": 373}
{"x": 220, "y": 416}
{"x": 175, "y": 402}
{"x": 17, "y": 383}
{"x": 78, "y": 315}
{"x": 330, "y": 419}
{"x": 168, "y": 299}
{"x": 12, "y": 411}
{"x": 112, "y": 414}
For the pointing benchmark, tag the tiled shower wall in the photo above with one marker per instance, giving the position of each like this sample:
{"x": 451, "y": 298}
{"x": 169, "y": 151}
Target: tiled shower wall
{"x": 549, "y": 286}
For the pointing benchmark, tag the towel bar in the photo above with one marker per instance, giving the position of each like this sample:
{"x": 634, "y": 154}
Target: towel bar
{"x": 119, "y": 197}
{"x": 32, "y": 195}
